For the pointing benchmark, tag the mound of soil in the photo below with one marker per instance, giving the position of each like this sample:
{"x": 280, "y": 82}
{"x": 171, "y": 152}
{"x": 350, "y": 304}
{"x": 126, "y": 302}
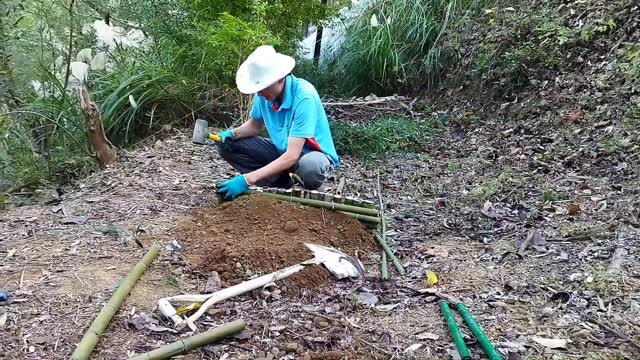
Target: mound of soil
{"x": 256, "y": 234}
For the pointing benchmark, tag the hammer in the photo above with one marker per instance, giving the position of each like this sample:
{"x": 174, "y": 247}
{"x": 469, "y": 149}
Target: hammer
{"x": 201, "y": 133}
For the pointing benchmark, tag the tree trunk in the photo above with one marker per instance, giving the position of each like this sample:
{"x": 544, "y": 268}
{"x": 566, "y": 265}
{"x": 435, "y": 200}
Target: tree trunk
{"x": 105, "y": 151}
{"x": 318, "y": 45}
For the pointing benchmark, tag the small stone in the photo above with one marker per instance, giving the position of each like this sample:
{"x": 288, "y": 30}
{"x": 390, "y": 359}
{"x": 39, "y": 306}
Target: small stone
{"x": 320, "y": 322}
{"x": 582, "y": 334}
{"x": 214, "y": 311}
{"x": 291, "y": 226}
{"x": 498, "y": 304}
{"x": 291, "y": 347}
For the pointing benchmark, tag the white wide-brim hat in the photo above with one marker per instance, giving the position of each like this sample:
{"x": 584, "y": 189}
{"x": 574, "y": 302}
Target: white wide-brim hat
{"x": 262, "y": 69}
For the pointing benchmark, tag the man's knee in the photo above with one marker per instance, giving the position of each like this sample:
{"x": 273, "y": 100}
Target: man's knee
{"x": 313, "y": 168}
{"x": 224, "y": 150}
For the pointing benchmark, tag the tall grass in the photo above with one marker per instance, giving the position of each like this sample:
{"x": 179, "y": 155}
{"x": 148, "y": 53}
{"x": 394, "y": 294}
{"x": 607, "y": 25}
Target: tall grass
{"x": 394, "y": 46}
{"x": 137, "y": 95}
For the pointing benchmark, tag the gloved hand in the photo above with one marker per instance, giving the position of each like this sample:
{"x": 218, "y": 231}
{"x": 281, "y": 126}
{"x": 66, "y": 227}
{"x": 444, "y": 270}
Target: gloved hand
{"x": 227, "y": 134}
{"x": 233, "y": 188}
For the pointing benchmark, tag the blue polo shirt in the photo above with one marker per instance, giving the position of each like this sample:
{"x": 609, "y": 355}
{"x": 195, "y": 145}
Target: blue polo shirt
{"x": 301, "y": 115}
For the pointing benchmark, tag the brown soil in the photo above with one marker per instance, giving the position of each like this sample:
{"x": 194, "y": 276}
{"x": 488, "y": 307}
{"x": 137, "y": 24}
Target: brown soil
{"x": 255, "y": 234}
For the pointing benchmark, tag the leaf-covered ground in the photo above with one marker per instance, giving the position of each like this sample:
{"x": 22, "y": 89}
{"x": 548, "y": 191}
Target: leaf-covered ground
{"x": 526, "y": 204}
{"x": 463, "y": 210}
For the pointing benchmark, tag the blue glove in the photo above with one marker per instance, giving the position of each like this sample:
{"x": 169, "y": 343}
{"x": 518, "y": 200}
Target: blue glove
{"x": 233, "y": 188}
{"x": 227, "y": 134}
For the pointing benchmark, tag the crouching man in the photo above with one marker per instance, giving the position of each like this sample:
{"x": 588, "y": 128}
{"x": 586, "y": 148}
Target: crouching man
{"x": 289, "y": 108}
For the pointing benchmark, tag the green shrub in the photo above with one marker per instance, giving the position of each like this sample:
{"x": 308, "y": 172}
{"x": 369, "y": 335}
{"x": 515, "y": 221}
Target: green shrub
{"x": 381, "y": 137}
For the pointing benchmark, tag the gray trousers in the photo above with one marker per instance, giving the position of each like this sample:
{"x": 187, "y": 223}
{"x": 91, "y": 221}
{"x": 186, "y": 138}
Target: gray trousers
{"x": 249, "y": 154}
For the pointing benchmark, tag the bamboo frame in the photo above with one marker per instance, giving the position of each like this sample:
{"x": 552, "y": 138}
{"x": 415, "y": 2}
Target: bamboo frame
{"x": 321, "y": 204}
{"x": 193, "y": 342}
{"x": 90, "y": 339}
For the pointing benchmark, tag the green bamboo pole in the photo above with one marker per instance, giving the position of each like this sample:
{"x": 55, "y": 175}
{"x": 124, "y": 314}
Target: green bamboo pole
{"x": 363, "y": 218}
{"x": 193, "y": 342}
{"x": 463, "y": 350}
{"x": 320, "y": 204}
{"x": 90, "y": 339}
{"x": 390, "y": 254}
{"x": 477, "y": 331}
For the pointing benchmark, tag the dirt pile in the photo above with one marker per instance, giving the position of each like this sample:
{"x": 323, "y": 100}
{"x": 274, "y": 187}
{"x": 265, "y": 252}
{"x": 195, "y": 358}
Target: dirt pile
{"x": 255, "y": 234}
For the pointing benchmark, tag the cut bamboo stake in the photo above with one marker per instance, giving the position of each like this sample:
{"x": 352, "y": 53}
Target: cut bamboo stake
{"x": 384, "y": 267}
{"x": 325, "y": 205}
{"x": 100, "y": 323}
{"x": 390, "y": 254}
{"x": 193, "y": 342}
{"x": 384, "y": 270}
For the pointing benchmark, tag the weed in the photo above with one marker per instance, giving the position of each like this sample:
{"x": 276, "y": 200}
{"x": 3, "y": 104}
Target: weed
{"x": 616, "y": 144}
{"x": 455, "y": 167}
{"x": 381, "y": 137}
{"x": 601, "y": 282}
{"x": 551, "y": 196}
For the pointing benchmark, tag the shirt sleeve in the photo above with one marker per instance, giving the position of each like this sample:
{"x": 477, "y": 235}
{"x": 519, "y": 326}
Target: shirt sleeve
{"x": 256, "y": 114}
{"x": 303, "y": 124}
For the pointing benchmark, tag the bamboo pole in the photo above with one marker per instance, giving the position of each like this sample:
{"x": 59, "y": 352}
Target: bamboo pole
{"x": 193, "y": 342}
{"x": 324, "y": 204}
{"x": 90, "y": 339}
{"x": 463, "y": 350}
{"x": 390, "y": 254}
{"x": 384, "y": 270}
{"x": 477, "y": 331}
{"x": 363, "y": 218}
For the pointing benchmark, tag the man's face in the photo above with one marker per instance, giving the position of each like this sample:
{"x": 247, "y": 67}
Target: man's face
{"x": 273, "y": 92}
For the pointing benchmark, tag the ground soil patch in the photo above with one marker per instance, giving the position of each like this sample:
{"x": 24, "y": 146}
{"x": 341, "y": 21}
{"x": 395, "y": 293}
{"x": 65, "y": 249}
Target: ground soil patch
{"x": 256, "y": 234}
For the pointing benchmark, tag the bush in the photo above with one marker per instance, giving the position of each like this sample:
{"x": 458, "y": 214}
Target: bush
{"x": 381, "y": 137}
{"x": 194, "y": 48}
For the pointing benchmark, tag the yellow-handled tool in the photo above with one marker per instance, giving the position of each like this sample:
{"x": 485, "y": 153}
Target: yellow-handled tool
{"x": 201, "y": 133}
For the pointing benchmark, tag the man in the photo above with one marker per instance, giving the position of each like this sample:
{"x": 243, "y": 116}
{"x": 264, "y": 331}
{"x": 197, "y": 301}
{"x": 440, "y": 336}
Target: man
{"x": 291, "y": 110}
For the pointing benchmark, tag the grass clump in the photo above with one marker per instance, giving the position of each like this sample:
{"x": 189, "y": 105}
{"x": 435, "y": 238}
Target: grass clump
{"x": 393, "y": 46}
{"x": 381, "y": 137}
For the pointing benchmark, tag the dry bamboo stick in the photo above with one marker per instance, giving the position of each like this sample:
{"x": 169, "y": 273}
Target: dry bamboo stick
{"x": 325, "y": 205}
{"x": 100, "y": 323}
{"x": 193, "y": 342}
{"x": 384, "y": 270}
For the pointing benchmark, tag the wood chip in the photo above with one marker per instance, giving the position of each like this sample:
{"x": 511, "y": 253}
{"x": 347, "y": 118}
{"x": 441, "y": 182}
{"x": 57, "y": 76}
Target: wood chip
{"x": 551, "y": 343}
